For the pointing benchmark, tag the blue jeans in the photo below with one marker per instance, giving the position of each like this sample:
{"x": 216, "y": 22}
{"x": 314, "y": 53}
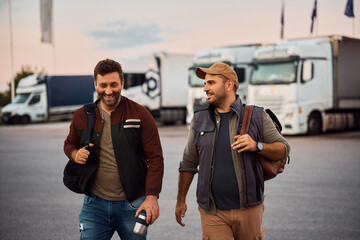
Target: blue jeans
{"x": 100, "y": 218}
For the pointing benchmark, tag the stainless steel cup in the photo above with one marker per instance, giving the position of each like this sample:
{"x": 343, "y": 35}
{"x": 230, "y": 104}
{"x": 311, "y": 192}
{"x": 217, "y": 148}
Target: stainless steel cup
{"x": 141, "y": 225}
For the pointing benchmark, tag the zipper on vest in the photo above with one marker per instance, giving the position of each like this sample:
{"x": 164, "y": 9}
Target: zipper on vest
{"x": 212, "y": 167}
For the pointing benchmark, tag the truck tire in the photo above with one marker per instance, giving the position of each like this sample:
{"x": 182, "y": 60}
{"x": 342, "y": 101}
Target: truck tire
{"x": 357, "y": 120}
{"x": 183, "y": 120}
{"x": 314, "y": 124}
{"x": 25, "y": 119}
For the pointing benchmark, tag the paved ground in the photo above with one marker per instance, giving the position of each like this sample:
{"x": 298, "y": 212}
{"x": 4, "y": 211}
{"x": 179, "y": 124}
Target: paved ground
{"x": 316, "y": 198}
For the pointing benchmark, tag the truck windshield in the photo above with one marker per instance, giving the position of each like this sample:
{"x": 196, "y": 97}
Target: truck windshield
{"x": 274, "y": 73}
{"x": 21, "y": 98}
{"x": 194, "y": 81}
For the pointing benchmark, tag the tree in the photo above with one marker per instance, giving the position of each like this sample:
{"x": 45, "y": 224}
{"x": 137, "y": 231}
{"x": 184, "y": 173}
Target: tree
{"x": 5, "y": 97}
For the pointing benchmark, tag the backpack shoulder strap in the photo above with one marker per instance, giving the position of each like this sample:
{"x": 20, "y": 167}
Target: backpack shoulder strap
{"x": 246, "y": 119}
{"x": 274, "y": 119}
{"x": 90, "y": 118}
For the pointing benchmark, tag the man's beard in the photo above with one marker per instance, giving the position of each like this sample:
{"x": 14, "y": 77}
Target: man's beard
{"x": 116, "y": 97}
{"x": 216, "y": 99}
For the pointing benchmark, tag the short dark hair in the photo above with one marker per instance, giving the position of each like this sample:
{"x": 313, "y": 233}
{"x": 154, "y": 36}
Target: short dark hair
{"x": 108, "y": 66}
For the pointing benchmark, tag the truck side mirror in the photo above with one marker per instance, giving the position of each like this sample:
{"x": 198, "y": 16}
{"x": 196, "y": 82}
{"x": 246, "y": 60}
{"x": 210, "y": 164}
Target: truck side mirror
{"x": 307, "y": 70}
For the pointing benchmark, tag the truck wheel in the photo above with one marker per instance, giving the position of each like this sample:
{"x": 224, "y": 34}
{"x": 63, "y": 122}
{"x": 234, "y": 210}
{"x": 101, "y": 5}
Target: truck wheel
{"x": 25, "y": 119}
{"x": 357, "y": 120}
{"x": 183, "y": 120}
{"x": 314, "y": 124}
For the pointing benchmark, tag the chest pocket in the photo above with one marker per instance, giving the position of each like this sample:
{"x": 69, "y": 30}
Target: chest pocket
{"x": 204, "y": 134}
{"x": 132, "y": 132}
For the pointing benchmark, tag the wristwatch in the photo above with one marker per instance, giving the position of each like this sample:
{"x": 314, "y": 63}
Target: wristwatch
{"x": 259, "y": 147}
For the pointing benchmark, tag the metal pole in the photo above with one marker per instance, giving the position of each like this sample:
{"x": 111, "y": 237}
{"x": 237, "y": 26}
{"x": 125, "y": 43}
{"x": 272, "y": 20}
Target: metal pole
{"x": 282, "y": 19}
{"x": 316, "y": 23}
{"x": 12, "y": 55}
{"x": 54, "y": 58}
{"x": 53, "y": 38}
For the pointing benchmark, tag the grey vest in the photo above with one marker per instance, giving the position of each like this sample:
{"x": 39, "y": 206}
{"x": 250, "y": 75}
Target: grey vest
{"x": 205, "y": 132}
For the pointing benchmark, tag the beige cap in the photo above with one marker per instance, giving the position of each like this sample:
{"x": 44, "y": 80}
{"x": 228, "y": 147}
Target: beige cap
{"x": 219, "y": 69}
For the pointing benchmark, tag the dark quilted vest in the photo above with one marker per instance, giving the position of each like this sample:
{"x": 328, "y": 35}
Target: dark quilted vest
{"x": 205, "y": 133}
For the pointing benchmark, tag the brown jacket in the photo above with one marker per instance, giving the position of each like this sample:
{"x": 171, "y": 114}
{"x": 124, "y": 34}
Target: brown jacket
{"x": 136, "y": 144}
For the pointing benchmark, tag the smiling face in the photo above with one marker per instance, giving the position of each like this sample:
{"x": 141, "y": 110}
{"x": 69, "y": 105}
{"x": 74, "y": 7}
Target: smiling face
{"x": 220, "y": 91}
{"x": 214, "y": 89}
{"x": 109, "y": 89}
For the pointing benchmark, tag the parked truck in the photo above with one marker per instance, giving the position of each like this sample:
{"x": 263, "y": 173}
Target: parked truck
{"x": 311, "y": 84}
{"x": 43, "y": 98}
{"x": 239, "y": 57}
{"x": 159, "y": 82}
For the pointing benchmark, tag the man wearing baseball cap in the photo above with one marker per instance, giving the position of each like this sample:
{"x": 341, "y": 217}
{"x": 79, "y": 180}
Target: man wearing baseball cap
{"x": 230, "y": 189}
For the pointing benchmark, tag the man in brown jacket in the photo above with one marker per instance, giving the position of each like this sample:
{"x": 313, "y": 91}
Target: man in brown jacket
{"x": 125, "y": 167}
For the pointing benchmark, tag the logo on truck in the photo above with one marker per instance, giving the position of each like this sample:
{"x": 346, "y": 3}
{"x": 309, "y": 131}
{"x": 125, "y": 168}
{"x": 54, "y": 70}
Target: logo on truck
{"x": 151, "y": 85}
{"x": 273, "y": 53}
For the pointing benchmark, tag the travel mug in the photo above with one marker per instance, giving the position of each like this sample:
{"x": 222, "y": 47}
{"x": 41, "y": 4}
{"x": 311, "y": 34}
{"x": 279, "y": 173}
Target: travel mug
{"x": 141, "y": 225}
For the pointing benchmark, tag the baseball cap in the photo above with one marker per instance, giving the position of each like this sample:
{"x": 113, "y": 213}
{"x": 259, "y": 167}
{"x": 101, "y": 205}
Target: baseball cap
{"x": 219, "y": 69}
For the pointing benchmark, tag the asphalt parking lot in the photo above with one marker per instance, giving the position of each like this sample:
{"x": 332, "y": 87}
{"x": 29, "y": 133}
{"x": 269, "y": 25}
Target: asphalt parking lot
{"x": 317, "y": 197}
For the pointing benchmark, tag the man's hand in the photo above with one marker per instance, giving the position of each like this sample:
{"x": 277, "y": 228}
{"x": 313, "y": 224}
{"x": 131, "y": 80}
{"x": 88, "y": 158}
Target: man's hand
{"x": 244, "y": 143}
{"x": 272, "y": 151}
{"x": 81, "y": 156}
{"x": 180, "y": 210}
{"x": 151, "y": 207}
{"x": 185, "y": 179}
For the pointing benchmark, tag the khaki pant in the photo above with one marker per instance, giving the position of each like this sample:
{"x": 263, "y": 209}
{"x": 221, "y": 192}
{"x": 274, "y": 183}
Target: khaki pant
{"x": 233, "y": 224}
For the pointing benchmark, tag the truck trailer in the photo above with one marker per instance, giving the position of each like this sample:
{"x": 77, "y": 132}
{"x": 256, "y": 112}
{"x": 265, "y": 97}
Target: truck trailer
{"x": 43, "y": 98}
{"x": 311, "y": 84}
{"x": 159, "y": 82}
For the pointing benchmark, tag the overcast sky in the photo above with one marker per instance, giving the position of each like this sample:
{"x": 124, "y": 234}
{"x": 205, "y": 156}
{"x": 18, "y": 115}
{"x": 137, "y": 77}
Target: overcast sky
{"x": 86, "y": 31}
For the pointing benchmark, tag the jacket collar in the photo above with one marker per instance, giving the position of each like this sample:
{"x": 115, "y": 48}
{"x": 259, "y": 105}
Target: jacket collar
{"x": 237, "y": 106}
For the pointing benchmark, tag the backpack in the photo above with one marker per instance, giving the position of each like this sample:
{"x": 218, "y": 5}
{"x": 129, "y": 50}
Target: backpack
{"x": 270, "y": 167}
{"x": 74, "y": 172}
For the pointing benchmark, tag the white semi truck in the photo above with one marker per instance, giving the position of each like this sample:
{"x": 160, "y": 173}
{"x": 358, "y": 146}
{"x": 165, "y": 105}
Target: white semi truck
{"x": 159, "y": 82}
{"x": 311, "y": 84}
{"x": 42, "y": 98}
{"x": 239, "y": 57}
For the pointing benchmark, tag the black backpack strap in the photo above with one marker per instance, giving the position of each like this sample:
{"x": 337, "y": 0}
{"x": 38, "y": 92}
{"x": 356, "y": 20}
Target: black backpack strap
{"x": 90, "y": 118}
{"x": 274, "y": 118}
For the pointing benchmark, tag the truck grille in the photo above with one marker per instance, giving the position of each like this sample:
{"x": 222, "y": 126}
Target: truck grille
{"x": 274, "y": 103}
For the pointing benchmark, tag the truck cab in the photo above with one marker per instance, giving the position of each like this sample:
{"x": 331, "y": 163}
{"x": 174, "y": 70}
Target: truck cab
{"x": 298, "y": 80}
{"x": 238, "y": 57}
{"x": 159, "y": 83}
{"x": 142, "y": 81}
{"x": 30, "y": 103}
{"x": 42, "y": 98}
